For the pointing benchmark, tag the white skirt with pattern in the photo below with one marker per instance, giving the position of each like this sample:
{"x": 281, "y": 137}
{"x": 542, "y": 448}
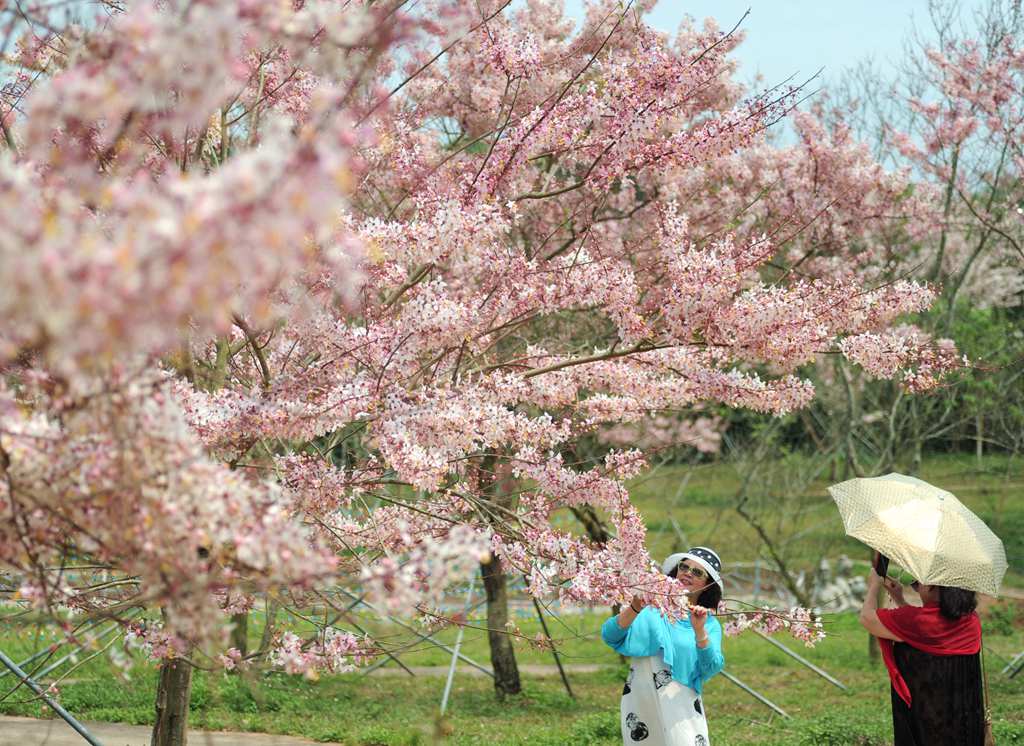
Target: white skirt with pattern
{"x": 657, "y": 710}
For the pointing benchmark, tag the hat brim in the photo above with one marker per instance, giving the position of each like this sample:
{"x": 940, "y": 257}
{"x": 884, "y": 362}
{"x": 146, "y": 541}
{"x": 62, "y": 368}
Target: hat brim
{"x": 674, "y": 559}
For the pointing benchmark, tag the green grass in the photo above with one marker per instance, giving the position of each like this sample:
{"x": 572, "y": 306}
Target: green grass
{"x": 353, "y": 709}
{"x": 357, "y": 710}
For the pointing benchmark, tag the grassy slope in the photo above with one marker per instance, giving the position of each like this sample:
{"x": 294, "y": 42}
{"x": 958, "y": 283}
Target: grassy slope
{"x": 396, "y": 710}
{"x": 701, "y": 500}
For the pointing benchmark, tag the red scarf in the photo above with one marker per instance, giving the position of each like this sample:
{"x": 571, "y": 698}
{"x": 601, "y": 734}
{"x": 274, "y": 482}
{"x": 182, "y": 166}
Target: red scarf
{"x": 924, "y": 628}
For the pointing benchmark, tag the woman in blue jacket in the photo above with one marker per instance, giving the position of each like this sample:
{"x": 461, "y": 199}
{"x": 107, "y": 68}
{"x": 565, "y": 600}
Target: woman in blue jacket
{"x": 670, "y": 661}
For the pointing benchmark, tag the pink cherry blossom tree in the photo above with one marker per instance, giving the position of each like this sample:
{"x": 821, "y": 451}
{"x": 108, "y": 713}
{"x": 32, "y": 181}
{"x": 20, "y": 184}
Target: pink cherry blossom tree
{"x": 965, "y": 139}
{"x": 308, "y": 295}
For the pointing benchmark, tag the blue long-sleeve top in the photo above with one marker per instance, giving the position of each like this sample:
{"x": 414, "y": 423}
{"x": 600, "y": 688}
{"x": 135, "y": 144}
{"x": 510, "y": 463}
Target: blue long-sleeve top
{"x": 651, "y": 633}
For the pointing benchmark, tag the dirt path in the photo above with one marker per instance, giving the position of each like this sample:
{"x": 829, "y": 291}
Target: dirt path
{"x": 16, "y": 731}
{"x": 533, "y": 669}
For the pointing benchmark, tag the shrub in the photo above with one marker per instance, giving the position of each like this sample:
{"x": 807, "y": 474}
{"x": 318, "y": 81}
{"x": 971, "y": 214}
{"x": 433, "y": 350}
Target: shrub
{"x": 1000, "y": 619}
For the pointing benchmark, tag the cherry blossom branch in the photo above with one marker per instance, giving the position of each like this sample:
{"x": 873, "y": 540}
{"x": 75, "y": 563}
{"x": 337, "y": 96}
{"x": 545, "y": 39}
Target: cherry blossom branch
{"x": 612, "y": 354}
{"x": 989, "y": 225}
{"x": 432, "y": 60}
{"x": 257, "y": 350}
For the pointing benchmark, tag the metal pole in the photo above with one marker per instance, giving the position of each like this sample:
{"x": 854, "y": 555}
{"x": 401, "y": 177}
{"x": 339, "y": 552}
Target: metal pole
{"x": 53, "y": 647}
{"x": 425, "y": 638}
{"x": 458, "y": 644}
{"x": 48, "y": 650}
{"x": 67, "y": 716}
{"x": 386, "y": 652}
{"x": 1019, "y": 658}
{"x": 760, "y": 698}
{"x": 363, "y": 632}
{"x": 558, "y": 662}
{"x": 1018, "y": 666}
{"x": 60, "y": 661}
{"x": 432, "y": 641}
{"x": 803, "y": 660}
{"x": 403, "y": 648}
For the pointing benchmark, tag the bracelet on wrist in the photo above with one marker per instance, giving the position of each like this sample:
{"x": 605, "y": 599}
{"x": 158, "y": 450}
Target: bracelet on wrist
{"x": 635, "y": 610}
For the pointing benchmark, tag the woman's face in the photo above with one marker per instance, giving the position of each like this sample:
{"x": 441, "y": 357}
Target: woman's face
{"x": 693, "y": 578}
{"x": 928, "y": 593}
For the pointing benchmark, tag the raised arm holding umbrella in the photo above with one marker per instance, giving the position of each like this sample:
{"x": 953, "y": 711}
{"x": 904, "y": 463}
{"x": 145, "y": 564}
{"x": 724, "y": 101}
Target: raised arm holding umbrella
{"x": 930, "y": 651}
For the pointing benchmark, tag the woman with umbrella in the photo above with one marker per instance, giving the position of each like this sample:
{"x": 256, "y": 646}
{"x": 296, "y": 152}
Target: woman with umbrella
{"x": 932, "y": 651}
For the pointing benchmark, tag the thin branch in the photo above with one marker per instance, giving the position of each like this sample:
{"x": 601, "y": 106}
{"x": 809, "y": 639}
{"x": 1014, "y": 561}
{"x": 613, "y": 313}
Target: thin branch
{"x": 639, "y": 347}
{"x": 994, "y": 228}
{"x": 412, "y": 282}
{"x": 256, "y": 349}
{"x": 431, "y": 61}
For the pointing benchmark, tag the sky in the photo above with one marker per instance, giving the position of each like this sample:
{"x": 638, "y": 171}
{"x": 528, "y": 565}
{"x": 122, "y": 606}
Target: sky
{"x": 787, "y": 37}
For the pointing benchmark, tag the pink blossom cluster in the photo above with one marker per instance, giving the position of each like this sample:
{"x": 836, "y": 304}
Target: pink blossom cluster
{"x": 801, "y": 623}
{"x": 603, "y": 488}
{"x": 431, "y": 563}
{"x": 154, "y": 641}
{"x": 122, "y": 473}
{"x": 966, "y": 138}
{"x": 703, "y": 434}
{"x": 882, "y": 355}
{"x": 231, "y": 659}
{"x": 331, "y": 651}
{"x": 134, "y": 246}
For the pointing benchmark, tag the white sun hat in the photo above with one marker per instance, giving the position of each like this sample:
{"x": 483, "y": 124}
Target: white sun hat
{"x": 706, "y": 558}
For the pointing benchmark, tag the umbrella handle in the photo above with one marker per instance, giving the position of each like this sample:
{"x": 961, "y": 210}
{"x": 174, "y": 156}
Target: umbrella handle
{"x": 881, "y": 564}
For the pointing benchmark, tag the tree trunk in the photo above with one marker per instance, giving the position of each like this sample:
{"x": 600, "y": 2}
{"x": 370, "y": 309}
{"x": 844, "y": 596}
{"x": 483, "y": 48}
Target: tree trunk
{"x": 503, "y": 656}
{"x": 915, "y": 465}
{"x": 979, "y": 439}
{"x": 268, "y": 627}
{"x": 172, "y": 697}
{"x": 240, "y": 633}
{"x": 495, "y": 480}
{"x": 591, "y": 522}
{"x": 787, "y": 576}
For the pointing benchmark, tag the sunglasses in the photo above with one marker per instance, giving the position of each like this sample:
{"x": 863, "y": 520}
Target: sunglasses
{"x": 915, "y": 584}
{"x": 694, "y": 572}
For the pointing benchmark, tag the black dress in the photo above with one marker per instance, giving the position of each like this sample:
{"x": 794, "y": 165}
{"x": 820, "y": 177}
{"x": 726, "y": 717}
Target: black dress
{"x": 946, "y": 701}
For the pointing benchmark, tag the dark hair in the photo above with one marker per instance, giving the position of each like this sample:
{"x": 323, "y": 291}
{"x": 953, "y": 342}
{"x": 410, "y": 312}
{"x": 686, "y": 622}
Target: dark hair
{"x": 955, "y": 603}
{"x": 710, "y": 597}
